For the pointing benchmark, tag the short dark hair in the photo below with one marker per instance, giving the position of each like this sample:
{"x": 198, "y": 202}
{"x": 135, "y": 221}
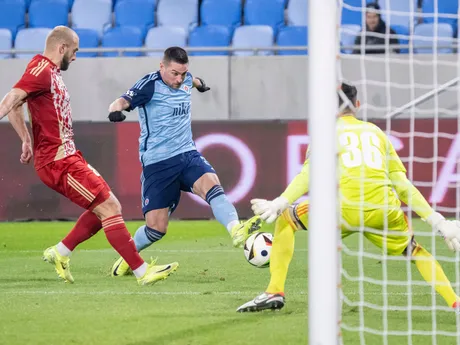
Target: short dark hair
{"x": 350, "y": 91}
{"x": 175, "y": 54}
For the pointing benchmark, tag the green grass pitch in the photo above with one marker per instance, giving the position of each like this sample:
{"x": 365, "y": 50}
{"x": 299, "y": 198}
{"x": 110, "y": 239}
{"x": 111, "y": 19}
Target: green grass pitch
{"x": 196, "y": 305}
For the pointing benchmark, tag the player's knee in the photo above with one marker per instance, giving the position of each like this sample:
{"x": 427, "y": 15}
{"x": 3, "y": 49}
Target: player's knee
{"x": 213, "y": 193}
{"x": 158, "y": 224}
{"x": 110, "y": 207}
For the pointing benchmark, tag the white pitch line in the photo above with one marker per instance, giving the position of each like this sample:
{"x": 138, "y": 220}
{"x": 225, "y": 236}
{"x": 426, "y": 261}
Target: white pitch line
{"x": 112, "y": 251}
{"x": 182, "y": 293}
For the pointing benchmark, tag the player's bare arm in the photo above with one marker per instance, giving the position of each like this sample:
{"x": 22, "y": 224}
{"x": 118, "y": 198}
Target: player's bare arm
{"x": 11, "y": 100}
{"x": 16, "y": 118}
{"x": 116, "y": 108}
{"x": 119, "y": 104}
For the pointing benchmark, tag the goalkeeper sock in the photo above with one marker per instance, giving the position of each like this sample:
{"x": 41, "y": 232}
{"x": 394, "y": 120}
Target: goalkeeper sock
{"x": 145, "y": 237}
{"x": 441, "y": 283}
{"x": 222, "y": 208}
{"x": 87, "y": 226}
{"x": 281, "y": 254}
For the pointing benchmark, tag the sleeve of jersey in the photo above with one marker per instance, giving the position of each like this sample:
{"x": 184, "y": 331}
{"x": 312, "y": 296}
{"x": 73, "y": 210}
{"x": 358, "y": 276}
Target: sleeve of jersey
{"x": 394, "y": 162}
{"x": 140, "y": 94}
{"x": 34, "y": 80}
{"x": 410, "y": 195}
{"x": 299, "y": 185}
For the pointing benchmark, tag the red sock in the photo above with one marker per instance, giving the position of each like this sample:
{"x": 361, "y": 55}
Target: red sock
{"x": 120, "y": 239}
{"x": 87, "y": 225}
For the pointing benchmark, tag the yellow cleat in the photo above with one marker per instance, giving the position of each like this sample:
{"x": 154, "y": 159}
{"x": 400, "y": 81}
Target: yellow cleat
{"x": 157, "y": 272}
{"x": 242, "y": 231}
{"x": 121, "y": 268}
{"x": 61, "y": 263}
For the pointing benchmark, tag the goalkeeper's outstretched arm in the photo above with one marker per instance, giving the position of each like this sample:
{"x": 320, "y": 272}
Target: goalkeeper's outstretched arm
{"x": 270, "y": 210}
{"x": 410, "y": 195}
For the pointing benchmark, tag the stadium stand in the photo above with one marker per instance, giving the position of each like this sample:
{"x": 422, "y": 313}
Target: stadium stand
{"x": 424, "y": 34}
{"x": 207, "y": 23}
{"x": 30, "y": 39}
{"x": 162, "y": 37}
{"x": 221, "y": 12}
{"x": 210, "y": 36}
{"x": 249, "y": 36}
{"x": 6, "y": 42}
{"x": 48, "y": 13}
{"x": 88, "y": 39}
{"x": 292, "y": 36}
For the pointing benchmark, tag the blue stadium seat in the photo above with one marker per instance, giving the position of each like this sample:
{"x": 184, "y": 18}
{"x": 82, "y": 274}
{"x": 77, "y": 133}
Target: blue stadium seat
{"x": 297, "y": 12}
{"x": 31, "y": 39}
{"x": 424, "y": 34}
{"x": 221, "y": 12}
{"x": 92, "y": 14}
{"x": 162, "y": 37}
{"x": 403, "y": 35}
{"x": 88, "y": 39}
{"x": 12, "y": 15}
{"x": 348, "y": 33}
{"x": 210, "y": 36}
{"x": 445, "y": 7}
{"x": 408, "y": 7}
{"x": 182, "y": 13}
{"x": 122, "y": 37}
{"x": 264, "y": 12}
{"x": 293, "y": 36}
{"x": 6, "y": 42}
{"x": 139, "y": 13}
{"x": 48, "y": 13}
{"x": 253, "y": 36}
{"x": 155, "y": 2}
{"x": 354, "y": 15}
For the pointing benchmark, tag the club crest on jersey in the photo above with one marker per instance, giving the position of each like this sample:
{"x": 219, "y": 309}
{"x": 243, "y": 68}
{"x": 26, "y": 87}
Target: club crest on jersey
{"x": 186, "y": 88}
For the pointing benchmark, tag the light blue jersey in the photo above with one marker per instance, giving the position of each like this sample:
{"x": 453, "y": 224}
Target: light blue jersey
{"x": 164, "y": 117}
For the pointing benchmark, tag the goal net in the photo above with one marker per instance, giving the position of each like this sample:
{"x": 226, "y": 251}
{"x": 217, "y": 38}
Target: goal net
{"x": 411, "y": 91}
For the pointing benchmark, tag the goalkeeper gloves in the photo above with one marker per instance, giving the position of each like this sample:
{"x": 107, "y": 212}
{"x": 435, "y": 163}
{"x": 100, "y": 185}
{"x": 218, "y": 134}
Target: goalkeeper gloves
{"x": 203, "y": 87}
{"x": 448, "y": 229}
{"x": 269, "y": 210}
{"x": 117, "y": 116}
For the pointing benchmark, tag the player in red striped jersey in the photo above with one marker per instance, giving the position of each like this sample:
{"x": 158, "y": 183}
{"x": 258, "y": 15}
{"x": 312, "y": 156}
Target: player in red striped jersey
{"x": 60, "y": 165}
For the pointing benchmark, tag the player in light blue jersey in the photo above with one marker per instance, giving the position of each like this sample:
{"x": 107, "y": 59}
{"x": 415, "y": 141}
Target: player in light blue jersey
{"x": 170, "y": 160}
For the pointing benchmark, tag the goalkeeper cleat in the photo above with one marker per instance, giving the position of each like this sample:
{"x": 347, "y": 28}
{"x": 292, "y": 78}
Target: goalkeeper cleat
{"x": 242, "y": 231}
{"x": 263, "y": 302}
{"x": 61, "y": 263}
{"x": 121, "y": 268}
{"x": 156, "y": 273}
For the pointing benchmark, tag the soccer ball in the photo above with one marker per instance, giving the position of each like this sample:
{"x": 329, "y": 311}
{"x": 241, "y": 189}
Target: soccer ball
{"x": 257, "y": 249}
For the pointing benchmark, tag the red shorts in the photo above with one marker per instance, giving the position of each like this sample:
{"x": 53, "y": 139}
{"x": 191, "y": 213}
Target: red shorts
{"x": 74, "y": 178}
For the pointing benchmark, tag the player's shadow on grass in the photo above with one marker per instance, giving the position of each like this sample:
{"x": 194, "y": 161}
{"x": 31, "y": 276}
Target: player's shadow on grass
{"x": 190, "y": 333}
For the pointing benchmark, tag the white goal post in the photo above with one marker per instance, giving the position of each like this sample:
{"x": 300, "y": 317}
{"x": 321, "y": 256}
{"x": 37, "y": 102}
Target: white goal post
{"x": 323, "y": 268}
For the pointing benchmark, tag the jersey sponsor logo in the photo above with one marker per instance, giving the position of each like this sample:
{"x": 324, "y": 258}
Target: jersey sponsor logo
{"x": 182, "y": 109}
{"x": 39, "y": 68}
